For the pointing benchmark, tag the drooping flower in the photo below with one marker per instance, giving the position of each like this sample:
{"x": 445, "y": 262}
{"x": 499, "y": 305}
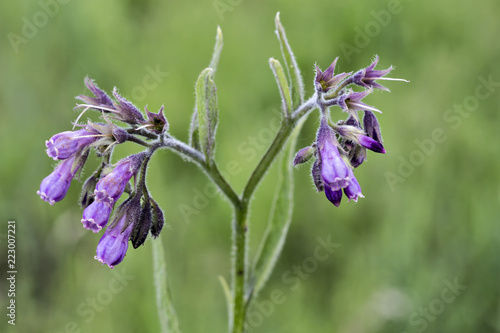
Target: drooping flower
{"x": 357, "y": 136}
{"x": 325, "y": 81}
{"x": 55, "y": 186}
{"x": 96, "y": 216}
{"x": 109, "y": 188}
{"x": 113, "y": 244}
{"x": 62, "y": 145}
{"x": 336, "y": 175}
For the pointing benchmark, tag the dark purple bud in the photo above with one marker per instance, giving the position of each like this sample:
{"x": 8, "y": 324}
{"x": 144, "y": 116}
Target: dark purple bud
{"x": 316, "y": 175}
{"x": 111, "y": 187}
{"x": 157, "y": 220}
{"x": 334, "y": 196}
{"x": 87, "y": 196}
{"x": 325, "y": 81}
{"x": 62, "y": 145}
{"x": 141, "y": 226}
{"x": 156, "y": 123}
{"x": 371, "y": 126}
{"x": 101, "y": 98}
{"x": 96, "y": 216}
{"x": 353, "y": 190}
{"x": 55, "y": 186}
{"x": 357, "y": 156}
{"x": 127, "y": 112}
{"x": 371, "y": 144}
{"x": 303, "y": 155}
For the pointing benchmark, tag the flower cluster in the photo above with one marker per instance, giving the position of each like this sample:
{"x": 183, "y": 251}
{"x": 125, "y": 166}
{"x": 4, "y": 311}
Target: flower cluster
{"x": 340, "y": 147}
{"x": 137, "y": 215}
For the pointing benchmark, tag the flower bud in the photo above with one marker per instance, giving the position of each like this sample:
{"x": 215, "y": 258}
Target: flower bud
{"x": 141, "y": 226}
{"x": 303, "y": 155}
{"x": 157, "y": 220}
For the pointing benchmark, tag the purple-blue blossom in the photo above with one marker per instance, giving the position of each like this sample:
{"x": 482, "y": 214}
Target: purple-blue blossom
{"x": 55, "y": 186}
{"x": 113, "y": 244}
{"x": 109, "y": 188}
{"x": 62, "y": 145}
{"x": 96, "y": 216}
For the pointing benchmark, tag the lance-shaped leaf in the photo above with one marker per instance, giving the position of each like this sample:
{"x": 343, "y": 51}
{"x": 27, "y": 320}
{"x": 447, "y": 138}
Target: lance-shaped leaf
{"x": 281, "y": 80}
{"x": 194, "y": 135}
{"x": 206, "y": 105}
{"x": 279, "y": 220}
{"x": 217, "y": 50}
{"x": 294, "y": 76}
{"x": 168, "y": 318}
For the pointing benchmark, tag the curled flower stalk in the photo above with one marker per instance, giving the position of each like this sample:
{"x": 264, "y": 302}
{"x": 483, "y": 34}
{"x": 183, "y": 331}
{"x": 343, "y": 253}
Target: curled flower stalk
{"x": 339, "y": 148}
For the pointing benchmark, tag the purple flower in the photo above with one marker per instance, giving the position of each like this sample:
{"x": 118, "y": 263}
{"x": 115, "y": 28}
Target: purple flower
{"x": 366, "y": 77}
{"x": 114, "y": 243}
{"x": 156, "y": 122}
{"x": 126, "y": 111}
{"x": 96, "y": 216}
{"x": 62, "y": 145}
{"x": 325, "y": 81}
{"x": 351, "y": 102}
{"x": 353, "y": 190}
{"x": 371, "y": 126}
{"x": 111, "y": 187}
{"x": 334, "y": 171}
{"x": 357, "y": 135}
{"x": 101, "y": 99}
{"x": 55, "y": 186}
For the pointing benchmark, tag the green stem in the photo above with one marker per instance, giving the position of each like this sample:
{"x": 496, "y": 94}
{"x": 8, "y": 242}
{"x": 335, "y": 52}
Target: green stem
{"x": 240, "y": 227}
{"x": 239, "y": 274}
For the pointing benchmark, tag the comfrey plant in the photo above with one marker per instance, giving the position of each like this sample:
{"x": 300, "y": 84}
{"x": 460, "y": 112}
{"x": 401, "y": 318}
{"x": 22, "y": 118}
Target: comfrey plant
{"x": 339, "y": 147}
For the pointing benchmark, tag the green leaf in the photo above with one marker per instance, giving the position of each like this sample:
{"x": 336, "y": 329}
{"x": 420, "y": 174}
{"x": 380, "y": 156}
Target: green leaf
{"x": 279, "y": 220}
{"x": 194, "y": 136}
{"x": 217, "y": 50}
{"x": 168, "y": 318}
{"x": 294, "y": 76}
{"x": 208, "y": 115}
{"x": 281, "y": 80}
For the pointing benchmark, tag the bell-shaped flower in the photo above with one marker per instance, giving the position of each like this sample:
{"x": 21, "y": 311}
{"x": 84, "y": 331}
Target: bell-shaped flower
{"x": 109, "y": 188}
{"x": 55, "y": 186}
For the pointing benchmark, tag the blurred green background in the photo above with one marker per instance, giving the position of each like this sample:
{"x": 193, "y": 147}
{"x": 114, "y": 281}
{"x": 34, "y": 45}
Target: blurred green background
{"x": 431, "y": 212}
